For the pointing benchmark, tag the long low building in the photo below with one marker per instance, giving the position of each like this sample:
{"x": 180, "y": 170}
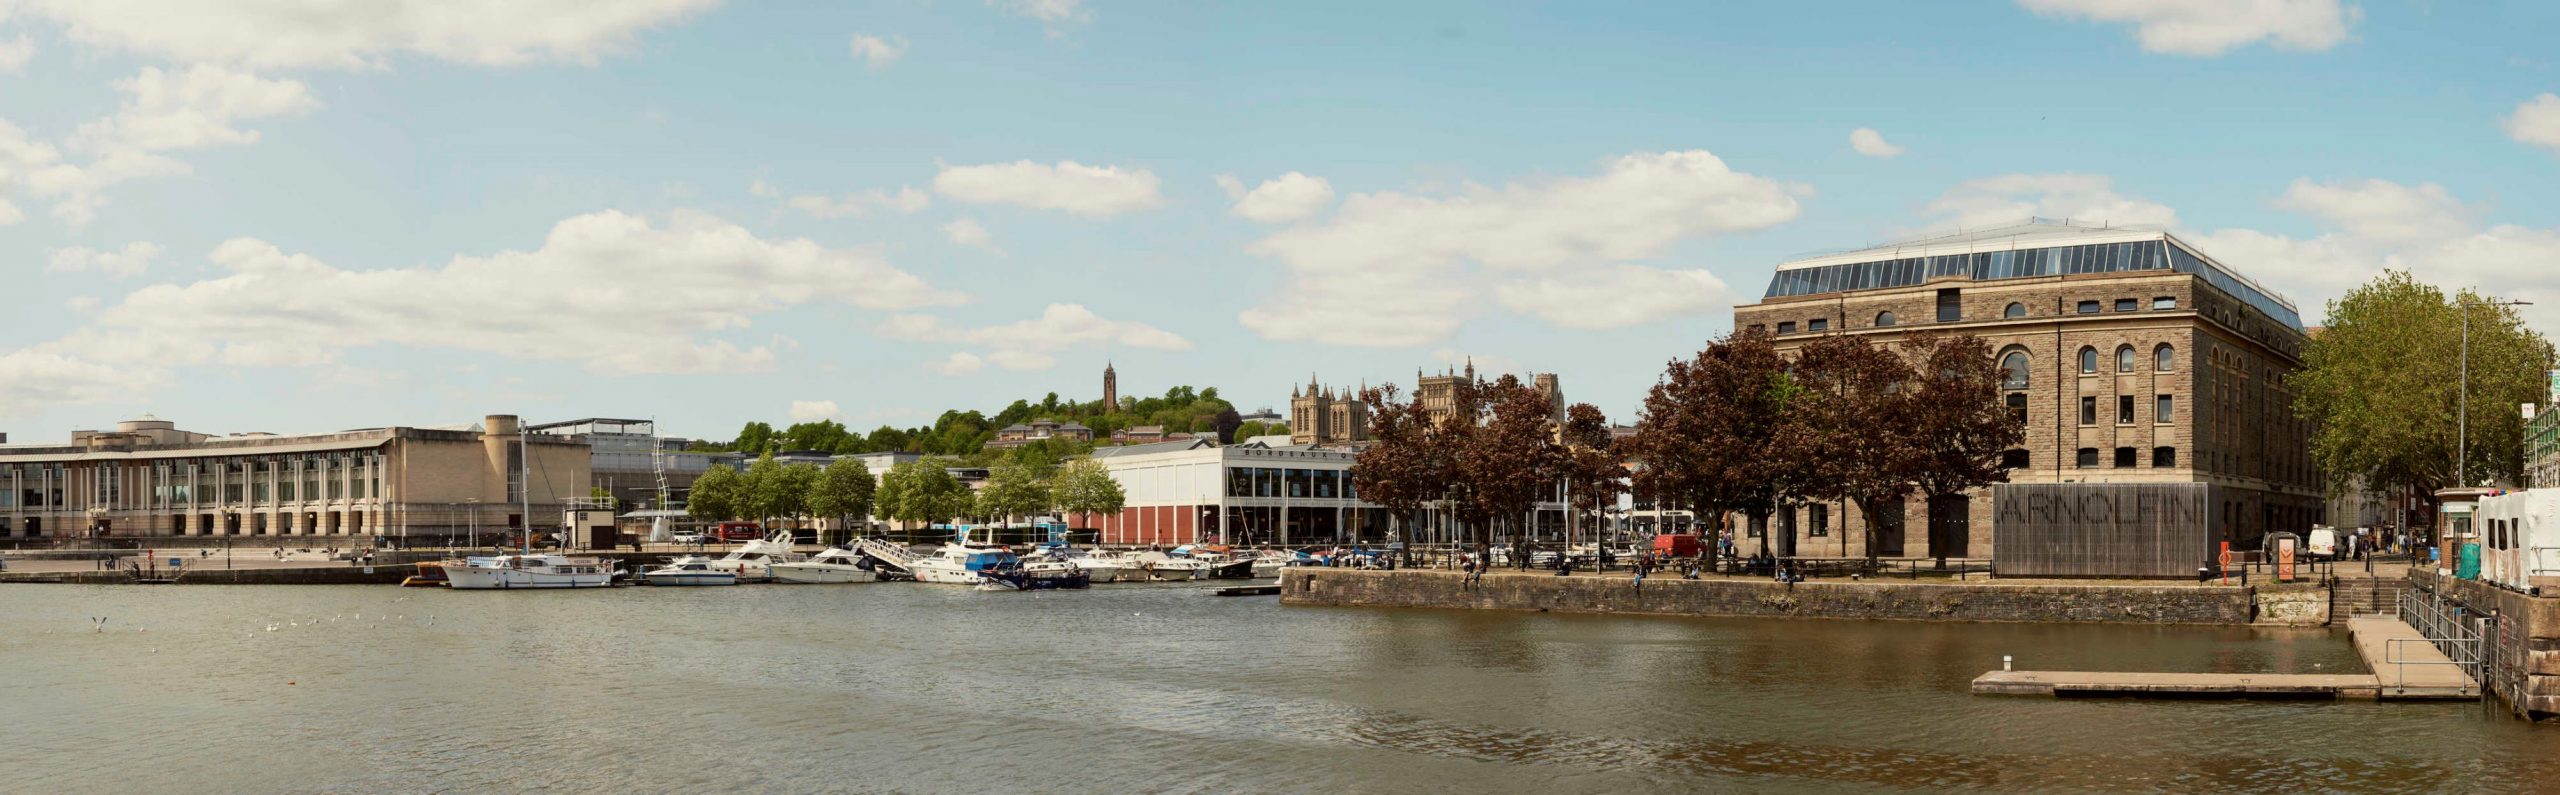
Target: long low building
{"x": 147, "y": 479}
{"x": 1194, "y": 491}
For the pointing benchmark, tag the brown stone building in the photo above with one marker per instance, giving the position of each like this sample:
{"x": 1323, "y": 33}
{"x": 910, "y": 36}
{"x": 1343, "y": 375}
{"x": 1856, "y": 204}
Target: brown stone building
{"x": 1322, "y": 415}
{"x": 2132, "y": 356}
{"x": 1436, "y": 391}
{"x": 1019, "y": 434}
{"x": 149, "y": 479}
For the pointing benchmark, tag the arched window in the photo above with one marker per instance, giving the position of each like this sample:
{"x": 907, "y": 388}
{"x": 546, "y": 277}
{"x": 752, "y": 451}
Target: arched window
{"x": 2164, "y": 358}
{"x": 2124, "y": 358}
{"x": 2015, "y": 310}
{"x": 2088, "y": 360}
{"x": 1884, "y": 319}
{"x": 2014, "y": 368}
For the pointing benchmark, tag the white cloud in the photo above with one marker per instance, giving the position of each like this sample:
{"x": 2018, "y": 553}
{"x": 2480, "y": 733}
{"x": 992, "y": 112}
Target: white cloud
{"x": 2013, "y": 198}
{"x": 1288, "y": 197}
{"x": 960, "y": 363}
{"x": 2537, "y": 122}
{"x": 348, "y": 34}
{"x": 970, "y": 234}
{"x": 81, "y": 303}
{"x": 1027, "y": 344}
{"x": 2211, "y": 27}
{"x": 32, "y": 379}
{"x": 613, "y": 292}
{"x": 814, "y": 410}
{"x": 857, "y": 205}
{"x": 127, "y": 262}
{"x": 1090, "y": 191}
{"x": 15, "y": 53}
{"x": 1056, "y": 16}
{"x": 2381, "y": 209}
{"x": 202, "y": 106}
{"x": 878, "y": 53}
{"x": 1397, "y": 269}
{"x": 1866, "y": 141}
{"x": 1622, "y": 295}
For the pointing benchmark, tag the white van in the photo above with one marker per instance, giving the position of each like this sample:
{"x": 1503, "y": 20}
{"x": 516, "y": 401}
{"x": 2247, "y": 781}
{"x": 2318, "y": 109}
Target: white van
{"x": 2323, "y": 542}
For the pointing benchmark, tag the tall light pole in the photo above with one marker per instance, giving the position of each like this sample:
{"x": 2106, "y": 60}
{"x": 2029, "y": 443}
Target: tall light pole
{"x": 2462, "y": 425}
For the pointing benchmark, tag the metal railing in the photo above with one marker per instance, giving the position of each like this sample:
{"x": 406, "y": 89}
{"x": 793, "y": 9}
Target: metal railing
{"x": 2446, "y": 625}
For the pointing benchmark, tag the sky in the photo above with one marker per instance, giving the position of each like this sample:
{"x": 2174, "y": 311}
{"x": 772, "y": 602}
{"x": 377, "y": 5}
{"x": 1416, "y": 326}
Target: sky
{"x": 311, "y": 215}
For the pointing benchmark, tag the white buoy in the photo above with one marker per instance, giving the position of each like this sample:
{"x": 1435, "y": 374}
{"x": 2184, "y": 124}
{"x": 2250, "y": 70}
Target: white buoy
{"x": 2004, "y": 662}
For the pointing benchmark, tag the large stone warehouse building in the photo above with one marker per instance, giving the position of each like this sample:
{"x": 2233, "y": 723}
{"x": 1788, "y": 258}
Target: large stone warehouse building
{"x": 2133, "y": 357}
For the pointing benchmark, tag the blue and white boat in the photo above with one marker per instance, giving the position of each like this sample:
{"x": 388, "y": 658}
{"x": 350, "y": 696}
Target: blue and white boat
{"x": 963, "y": 563}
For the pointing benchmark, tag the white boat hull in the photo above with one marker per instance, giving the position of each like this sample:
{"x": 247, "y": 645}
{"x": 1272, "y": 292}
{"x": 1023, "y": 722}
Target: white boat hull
{"x": 819, "y": 574}
{"x": 692, "y": 578}
{"x": 935, "y": 572}
{"x": 1170, "y": 573}
{"x": 478, "y": 579}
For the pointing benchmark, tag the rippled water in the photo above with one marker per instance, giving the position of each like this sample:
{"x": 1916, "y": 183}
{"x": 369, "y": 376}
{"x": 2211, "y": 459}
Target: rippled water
{"x": 910, "y": 688}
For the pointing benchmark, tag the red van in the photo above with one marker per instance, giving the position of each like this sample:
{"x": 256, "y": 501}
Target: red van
{"x": 737, "y": 531}
{"x": 1677, "y": 545}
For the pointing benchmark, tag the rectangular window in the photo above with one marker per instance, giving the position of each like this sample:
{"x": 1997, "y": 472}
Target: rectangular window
{"x": 1820, "y": 517}
{"x": 1817, "y": 324}
{"x": 1787, "y": 522}
{"x": 2124, "y": 458}
{"x": 2165, "y": 409}
{"x": 1786, "y": 327}
{"x": 2088, "y": 307}
{"x": 2164, "y": 302}
{"x": 1758, "y": 527}
{"x": 1950, "y": 305}
{"x": 2124, "y": 409}
{"x": 2164, "y": 457}
{"x": 2088, "y": 411}
{"x": 2088, "y": 458}
{"x": 2018, "y": 407}
{"x": 2127, "y": 305}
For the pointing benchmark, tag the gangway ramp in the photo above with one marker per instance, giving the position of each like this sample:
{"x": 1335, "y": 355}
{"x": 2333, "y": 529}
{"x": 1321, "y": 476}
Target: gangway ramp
{"x": 883, "y": 553}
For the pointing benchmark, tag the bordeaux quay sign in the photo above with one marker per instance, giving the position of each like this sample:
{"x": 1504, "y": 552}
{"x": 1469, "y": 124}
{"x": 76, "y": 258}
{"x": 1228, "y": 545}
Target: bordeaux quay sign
{"x": 2102, "y": 529}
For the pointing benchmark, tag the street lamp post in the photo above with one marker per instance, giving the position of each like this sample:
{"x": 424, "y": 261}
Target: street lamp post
{"x": 2462, "y": 424}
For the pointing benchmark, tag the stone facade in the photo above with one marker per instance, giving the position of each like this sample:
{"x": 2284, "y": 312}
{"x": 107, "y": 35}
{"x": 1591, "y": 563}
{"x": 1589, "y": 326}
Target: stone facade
{"x": 153, "y": 481}
{"x": 1871, "y": 599}
{"x": 2220, "y": 361}
{"x": 1324, "y": 415}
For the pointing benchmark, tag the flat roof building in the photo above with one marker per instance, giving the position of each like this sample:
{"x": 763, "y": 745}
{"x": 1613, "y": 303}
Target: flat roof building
{"x": 2131, "y": 356}
{"x": 149, "y": 479}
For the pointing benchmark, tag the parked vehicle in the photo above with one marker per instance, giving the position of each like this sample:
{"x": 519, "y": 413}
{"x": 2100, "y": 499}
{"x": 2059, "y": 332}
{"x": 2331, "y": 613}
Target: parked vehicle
{"x": 2323, "y": 542}
{"x": 691, "y": 537}
{"x": 1677, "y": 545}
{"x": 737, "y": 531}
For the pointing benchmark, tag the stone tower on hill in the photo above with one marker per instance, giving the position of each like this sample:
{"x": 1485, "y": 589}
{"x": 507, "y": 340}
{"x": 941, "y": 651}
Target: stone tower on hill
{"x": 1110, "y": 389}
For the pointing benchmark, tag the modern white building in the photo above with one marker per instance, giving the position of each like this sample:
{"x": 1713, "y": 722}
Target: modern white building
{"x": 1192, "y": 491}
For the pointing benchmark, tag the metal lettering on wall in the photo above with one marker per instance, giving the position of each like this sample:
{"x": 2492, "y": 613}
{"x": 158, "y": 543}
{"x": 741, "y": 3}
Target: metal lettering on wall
{"x": 2102, "y": 529}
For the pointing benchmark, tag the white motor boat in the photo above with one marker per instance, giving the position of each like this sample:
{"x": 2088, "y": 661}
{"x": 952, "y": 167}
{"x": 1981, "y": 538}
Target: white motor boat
{"x": 961, "y": 564}
{"x": 511, "y": 572}
{"x": 1268, "y": 563}
{"x": 695, "y": 573}
{"x": 832, "y": 565}
{"x": 1098, "y": 565}
{"x": 753, "y": 561}
{"x": 1166, "y": 568}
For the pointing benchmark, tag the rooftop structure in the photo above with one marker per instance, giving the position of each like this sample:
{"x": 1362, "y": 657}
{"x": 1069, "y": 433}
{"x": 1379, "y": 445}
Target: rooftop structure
{"x": 2017, "y": 251}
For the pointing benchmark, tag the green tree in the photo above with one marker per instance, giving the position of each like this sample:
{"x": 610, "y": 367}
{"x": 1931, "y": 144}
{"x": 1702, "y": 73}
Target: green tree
{"x": 1085, "y": 488}
{"x": 755, "y": 438}
{"x": 1015, "y": 487}
{"x": 2382, "y": 387}
{"x": 922, "y": 492}
{"x": 717, "y": 496}
{"x": 843, "y": 491}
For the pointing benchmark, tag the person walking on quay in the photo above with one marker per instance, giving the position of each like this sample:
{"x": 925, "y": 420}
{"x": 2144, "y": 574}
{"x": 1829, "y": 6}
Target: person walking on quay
{"x": 1644, "y": 566}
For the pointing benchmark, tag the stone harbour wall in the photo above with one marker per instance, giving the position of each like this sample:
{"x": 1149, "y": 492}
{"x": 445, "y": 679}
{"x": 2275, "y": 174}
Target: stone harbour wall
{"x": 1871, "y": 599}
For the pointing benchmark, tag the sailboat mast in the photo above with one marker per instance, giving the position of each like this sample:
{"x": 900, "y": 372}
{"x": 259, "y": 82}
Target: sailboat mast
{"x": 524, "y": 485}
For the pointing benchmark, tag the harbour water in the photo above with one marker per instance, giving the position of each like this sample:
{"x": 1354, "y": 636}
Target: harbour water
{"x": 908, "y": 688}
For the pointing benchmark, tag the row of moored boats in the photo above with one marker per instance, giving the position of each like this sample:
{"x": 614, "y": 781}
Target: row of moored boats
{"x": 1052, "y": 565}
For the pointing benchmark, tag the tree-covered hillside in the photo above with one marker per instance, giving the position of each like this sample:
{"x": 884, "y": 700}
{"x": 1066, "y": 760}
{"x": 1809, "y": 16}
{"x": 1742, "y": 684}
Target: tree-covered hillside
{"x": 966, "y": 433}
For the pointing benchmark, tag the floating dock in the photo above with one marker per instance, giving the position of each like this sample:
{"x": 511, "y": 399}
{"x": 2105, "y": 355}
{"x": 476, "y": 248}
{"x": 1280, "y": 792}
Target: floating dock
{"x": 2405, "y": 667}
{"x": 1250, "y": 590}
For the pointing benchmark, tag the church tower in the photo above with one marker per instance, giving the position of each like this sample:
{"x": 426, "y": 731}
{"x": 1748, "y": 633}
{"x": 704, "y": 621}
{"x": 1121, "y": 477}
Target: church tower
{"x": 1110, "y": 389}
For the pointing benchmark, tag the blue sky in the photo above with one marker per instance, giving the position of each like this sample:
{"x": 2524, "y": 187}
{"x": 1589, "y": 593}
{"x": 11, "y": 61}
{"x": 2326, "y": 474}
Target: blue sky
{"x": 311, "y": 216}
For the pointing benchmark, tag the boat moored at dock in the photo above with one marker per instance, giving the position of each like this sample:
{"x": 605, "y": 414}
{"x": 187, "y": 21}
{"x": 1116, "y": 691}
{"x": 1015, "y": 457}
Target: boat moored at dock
{"x": 513, "y": 572}
{"x": 689, "y": 573}
{"x": 829, "y": 566}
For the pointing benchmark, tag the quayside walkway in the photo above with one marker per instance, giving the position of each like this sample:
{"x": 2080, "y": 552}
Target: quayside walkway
{"x": 2404, "y": 665}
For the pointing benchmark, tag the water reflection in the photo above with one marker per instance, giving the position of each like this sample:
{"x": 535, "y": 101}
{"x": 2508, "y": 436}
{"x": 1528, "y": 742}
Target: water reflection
{"x": 1153, "y": 689}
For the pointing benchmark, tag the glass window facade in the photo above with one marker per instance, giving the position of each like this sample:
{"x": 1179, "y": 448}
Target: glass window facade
{"x": 2143, "y": 255}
